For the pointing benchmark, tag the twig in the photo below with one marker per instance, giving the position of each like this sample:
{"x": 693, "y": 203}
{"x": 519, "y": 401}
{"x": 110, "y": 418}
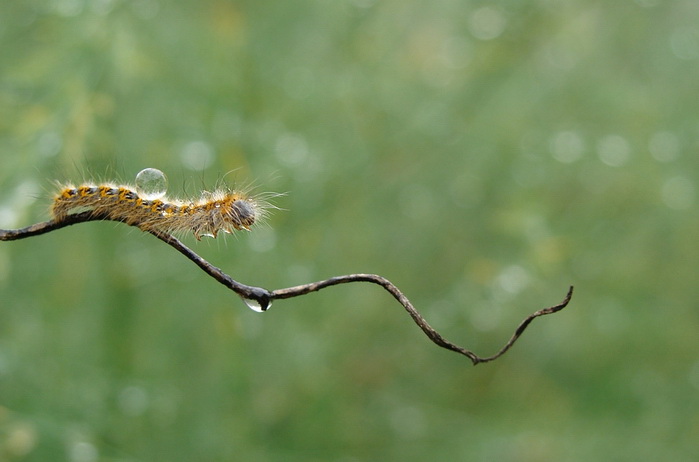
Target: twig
{"x": 264, "y": 297}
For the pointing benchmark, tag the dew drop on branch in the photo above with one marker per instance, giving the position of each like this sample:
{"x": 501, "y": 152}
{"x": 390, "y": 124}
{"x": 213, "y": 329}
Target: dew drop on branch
{"x": 255, "y": 305}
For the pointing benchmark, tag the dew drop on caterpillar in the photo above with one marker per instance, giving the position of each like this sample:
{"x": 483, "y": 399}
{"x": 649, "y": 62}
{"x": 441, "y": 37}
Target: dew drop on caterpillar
{"x": 147, "y": 207}
{"x": 151, "y": 183}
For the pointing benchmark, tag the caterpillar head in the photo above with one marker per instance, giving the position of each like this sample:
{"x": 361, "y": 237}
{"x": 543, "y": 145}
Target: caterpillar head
{"x": 242, "y": 214}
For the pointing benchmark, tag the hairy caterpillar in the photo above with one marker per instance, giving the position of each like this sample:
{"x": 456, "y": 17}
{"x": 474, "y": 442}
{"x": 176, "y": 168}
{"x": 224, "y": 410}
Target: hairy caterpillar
{"x": 146, "y": 207}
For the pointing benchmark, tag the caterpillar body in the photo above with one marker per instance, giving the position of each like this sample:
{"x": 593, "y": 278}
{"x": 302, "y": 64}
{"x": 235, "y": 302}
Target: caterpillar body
{"x": 221, "y": 211}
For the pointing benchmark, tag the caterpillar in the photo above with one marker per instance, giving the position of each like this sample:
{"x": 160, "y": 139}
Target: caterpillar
{"x": 220, "y": 211}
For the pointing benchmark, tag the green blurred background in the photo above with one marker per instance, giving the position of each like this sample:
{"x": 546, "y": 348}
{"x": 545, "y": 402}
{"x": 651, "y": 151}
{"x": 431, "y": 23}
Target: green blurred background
{"x": 483, "y": 155}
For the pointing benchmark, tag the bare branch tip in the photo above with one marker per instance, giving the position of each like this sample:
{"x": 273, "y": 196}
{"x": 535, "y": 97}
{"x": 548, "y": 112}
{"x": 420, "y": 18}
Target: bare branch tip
{"x": 564, "y": 303}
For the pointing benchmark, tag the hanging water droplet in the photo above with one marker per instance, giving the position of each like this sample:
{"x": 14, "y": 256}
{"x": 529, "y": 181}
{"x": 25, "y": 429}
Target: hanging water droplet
{"x": 256, "y": 306}
{"x": 151, "y": 184}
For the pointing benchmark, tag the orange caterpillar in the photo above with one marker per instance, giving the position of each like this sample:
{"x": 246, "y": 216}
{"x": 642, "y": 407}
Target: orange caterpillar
{"x": 221, "y": 211}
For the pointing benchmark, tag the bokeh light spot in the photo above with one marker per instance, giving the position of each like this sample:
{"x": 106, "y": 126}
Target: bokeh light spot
{"x": 197, "y": 155}
{"x": 614, "y": 150}
{"x": 678, "y": 193}
{"x": 487, "y": 23}
{"x": 567, "y": 147}
{"x": 664, "y": 146}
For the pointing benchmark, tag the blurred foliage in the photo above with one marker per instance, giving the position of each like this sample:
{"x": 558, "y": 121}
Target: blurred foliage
{"x": 481, "y": 155}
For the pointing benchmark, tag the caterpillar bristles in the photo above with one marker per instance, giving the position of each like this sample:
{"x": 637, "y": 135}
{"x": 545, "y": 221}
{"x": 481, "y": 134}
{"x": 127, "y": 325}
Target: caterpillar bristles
{"x": 224, "y": 210}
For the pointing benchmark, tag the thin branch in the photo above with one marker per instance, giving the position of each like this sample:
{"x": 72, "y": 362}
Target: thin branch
{"x": 264, "y": 297}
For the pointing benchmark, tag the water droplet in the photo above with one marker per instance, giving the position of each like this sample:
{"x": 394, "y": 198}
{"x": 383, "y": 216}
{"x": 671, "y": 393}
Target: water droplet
{"x": 151, "y": 184}
{"x": 254, "y": 305}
